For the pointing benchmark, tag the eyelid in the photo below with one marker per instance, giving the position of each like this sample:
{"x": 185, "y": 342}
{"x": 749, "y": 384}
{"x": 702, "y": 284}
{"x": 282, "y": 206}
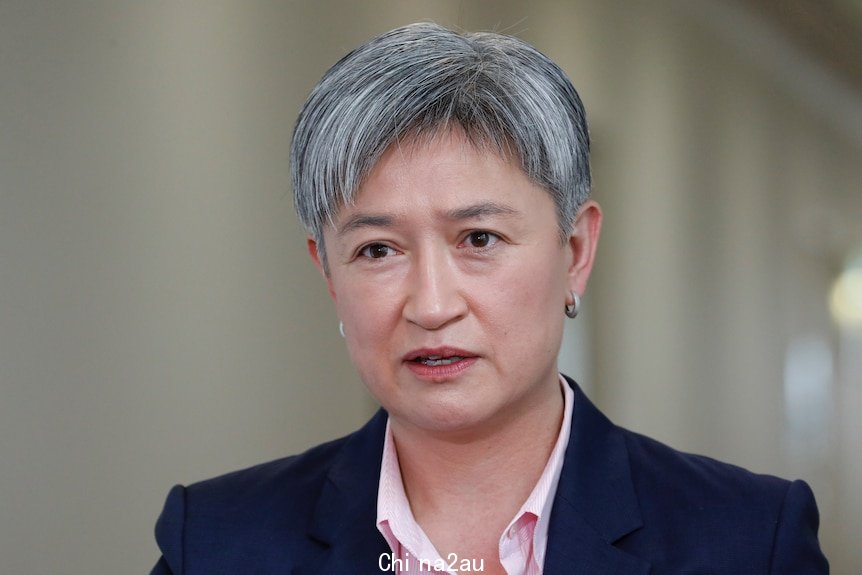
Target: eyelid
{"x": 359, "y": 252}
{"x": 498, "y": 238}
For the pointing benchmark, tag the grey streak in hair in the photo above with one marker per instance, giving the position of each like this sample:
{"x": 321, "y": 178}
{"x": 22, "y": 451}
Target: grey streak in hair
{"x": 420, "y": 79}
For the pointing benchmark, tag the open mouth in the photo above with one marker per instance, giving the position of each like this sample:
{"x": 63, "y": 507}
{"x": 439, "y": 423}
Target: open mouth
{"x": 439, "y": 364}
{"x": 435, "y": 360}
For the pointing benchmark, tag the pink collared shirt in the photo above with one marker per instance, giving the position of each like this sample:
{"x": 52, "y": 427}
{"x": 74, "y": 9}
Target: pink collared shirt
{"x": 522, "y": 544}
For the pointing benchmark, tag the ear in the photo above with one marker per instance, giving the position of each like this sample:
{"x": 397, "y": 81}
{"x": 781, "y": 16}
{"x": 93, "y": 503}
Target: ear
{"x": 582, "y": 245}
{"x": 314, "y": 252}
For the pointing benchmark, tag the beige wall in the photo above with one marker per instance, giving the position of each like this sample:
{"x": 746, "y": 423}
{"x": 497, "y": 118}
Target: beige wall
{"x": 160, "y": 322}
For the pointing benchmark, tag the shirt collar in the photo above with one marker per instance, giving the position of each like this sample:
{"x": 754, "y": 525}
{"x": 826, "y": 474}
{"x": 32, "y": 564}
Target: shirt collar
{"x": 541, "y": 499}
{"x": 396, "y": 522}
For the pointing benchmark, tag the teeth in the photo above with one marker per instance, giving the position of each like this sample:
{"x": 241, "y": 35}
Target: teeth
{"x": 437, "y": 360}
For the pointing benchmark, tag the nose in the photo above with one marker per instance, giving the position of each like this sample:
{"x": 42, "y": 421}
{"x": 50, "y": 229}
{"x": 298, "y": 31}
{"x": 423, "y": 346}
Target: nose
{"x": 435, "y": 297}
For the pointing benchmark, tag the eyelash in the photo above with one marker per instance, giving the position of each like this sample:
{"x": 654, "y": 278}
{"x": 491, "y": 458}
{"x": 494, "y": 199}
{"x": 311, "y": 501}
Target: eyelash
{"x": 493, "y": 239}
{"x": 362, "y": 251}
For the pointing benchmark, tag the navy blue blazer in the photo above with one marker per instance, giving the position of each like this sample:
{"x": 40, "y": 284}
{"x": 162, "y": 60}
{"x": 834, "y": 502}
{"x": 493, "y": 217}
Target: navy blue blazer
{"x": 625, "y": 505}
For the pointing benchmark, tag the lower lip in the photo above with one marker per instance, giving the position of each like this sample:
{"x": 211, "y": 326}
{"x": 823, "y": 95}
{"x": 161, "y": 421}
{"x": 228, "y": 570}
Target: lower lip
{"x": 440, "y": 373}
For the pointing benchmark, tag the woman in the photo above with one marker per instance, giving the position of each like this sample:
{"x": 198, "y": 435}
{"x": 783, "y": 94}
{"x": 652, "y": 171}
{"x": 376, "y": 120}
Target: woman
{"x": 444, "y": 183}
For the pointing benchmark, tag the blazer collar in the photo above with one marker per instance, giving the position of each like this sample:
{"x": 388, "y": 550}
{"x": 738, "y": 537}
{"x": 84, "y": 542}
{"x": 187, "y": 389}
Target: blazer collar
{"x": 595, "y": 504}
{"x": 345, "y": 518}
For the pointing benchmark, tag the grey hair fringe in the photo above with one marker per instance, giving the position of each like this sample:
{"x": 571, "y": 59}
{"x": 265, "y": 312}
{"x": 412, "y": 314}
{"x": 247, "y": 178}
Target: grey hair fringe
{"x": 421, "y": 79}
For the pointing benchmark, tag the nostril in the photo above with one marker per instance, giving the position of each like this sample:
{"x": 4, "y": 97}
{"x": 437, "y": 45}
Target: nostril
{"x": 435, "y": 298}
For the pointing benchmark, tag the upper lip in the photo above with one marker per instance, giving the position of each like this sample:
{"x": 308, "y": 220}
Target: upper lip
{"x": 437, "y": 352}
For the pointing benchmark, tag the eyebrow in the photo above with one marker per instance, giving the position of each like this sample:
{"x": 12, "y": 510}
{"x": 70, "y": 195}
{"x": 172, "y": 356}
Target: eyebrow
{"x": 359, "y": 221}
{"x": 472, "y": 212}
{"x": 481, "y": 210}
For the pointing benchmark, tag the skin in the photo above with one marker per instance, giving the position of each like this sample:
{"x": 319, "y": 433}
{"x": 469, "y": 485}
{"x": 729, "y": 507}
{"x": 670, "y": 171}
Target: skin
{"x": 447, "y": 245}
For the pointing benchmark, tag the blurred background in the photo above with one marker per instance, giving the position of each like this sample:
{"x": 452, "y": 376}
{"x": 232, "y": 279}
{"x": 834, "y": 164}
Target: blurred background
{"x": 160, "y": 321}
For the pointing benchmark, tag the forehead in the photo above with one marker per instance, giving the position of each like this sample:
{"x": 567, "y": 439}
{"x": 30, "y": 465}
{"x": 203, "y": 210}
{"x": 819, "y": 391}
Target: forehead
{"x": 442, "y": 168}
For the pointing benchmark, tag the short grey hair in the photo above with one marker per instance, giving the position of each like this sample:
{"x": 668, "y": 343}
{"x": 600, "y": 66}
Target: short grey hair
{"x": 421, "y": 79}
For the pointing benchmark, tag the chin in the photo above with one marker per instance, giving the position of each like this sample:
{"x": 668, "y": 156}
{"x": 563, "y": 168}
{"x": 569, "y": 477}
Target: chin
{"x": 447, "y": 419}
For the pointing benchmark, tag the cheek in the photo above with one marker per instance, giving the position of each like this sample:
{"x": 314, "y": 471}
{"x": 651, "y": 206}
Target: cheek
{"x": 535, "y": 284}
{"x": 528, "y": 304}
{"x": 367, "y": 316}
{"x": 367, "y": 308}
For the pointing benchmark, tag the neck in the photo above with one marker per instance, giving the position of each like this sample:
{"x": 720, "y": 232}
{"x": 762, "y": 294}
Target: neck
{"x": 500, "y": 462}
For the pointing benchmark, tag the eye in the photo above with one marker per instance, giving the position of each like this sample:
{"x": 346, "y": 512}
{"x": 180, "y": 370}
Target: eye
{"x": 376, "y": 251}
{"x": 481, "y": 239}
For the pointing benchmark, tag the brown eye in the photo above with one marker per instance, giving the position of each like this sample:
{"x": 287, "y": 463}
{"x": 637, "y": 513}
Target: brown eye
{"x": 376, "y": 251}
{"x": 481, "y": 239}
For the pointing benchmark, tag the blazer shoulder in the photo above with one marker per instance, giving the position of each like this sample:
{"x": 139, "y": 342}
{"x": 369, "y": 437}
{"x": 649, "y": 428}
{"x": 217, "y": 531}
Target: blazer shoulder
{"x": 697, "y": 479}
{"x": 260, "y": 514}
{"x": 744, "y": 521}
{"x": 297, "y": 476}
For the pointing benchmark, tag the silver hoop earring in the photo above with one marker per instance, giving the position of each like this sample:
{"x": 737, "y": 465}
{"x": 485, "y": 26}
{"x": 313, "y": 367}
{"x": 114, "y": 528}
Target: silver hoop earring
{"x": 341, "y": 328}
{"x": 573, "y": 309}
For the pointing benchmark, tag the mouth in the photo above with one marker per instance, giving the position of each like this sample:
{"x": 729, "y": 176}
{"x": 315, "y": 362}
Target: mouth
{"x": 438, "y": 356}
{"x": 436, "y": 363}
{"x": 437, "y": 360}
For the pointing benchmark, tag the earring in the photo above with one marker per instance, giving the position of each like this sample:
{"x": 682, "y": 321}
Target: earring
{"x": 573, "y": 309}
{"x": 341, "y": 328}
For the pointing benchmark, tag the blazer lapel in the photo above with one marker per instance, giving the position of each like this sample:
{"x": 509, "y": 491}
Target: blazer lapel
{"x": 595, "y": 504}
{"x": 577, "y": 549}
{"x": 344, "y": 522}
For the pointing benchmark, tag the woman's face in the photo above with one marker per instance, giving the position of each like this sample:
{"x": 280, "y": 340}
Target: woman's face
{"x": 450, "y": 277}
